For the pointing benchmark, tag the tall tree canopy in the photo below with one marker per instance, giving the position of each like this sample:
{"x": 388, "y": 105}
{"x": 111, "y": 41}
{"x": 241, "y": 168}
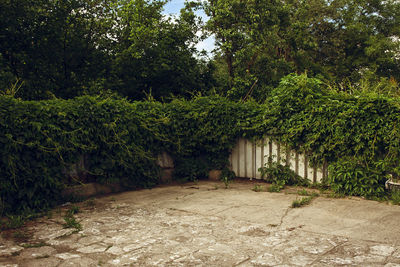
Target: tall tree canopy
{"x": 259, "y": 42}
{"x": 66, "y": 48}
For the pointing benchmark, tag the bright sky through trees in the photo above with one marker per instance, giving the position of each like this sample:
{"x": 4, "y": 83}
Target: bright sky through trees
{"x": 174, "y": 6}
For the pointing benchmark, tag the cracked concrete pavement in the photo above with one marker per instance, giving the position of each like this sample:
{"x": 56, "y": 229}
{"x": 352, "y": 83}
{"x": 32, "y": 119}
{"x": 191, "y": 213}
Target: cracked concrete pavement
{"x": 204, "y": 224}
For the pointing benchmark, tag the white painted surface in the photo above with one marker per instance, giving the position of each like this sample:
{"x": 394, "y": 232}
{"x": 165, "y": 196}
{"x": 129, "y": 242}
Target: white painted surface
{"x": 247, "y": 157}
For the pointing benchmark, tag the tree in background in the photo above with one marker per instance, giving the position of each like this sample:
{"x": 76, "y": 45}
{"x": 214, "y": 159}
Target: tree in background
{"x": 259, "y": 42}
{"x": 247, "y": 37}
{"x": 55, "y": 47}
{"x": 157, "y": 55}
{"x": 66, "y": 48}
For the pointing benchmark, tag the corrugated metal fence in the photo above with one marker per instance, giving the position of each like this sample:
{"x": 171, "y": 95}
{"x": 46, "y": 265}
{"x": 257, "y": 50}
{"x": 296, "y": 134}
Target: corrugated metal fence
{"x": 247, "y": 157}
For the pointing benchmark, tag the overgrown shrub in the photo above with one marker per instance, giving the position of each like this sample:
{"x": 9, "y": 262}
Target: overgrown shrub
{"x": 281, "y": 175}
{"x": 40, "y": 140}
{"x": 353, "y": 177}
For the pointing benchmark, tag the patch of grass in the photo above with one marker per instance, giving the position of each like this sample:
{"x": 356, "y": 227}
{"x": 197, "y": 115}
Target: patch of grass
{"x": 226, "y": 181}
{"x": 73, "y": 210}
{"x": 275, "y": 188}
{"x": 395, "y": 197}
{"x": 335, "y": 195}
{"x": 71, "y": 222}
{"x": 258, "y": 188}
{"x": 303, "y": 201}
{"x": 304, "y": 192}
{"x": 12, "y": 222}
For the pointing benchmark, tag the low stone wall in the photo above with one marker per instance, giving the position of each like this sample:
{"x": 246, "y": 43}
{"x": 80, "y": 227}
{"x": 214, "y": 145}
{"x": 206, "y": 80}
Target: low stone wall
{"x": 85, "y": 191}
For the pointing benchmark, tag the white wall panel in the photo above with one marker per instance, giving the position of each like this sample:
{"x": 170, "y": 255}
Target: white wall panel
{"x": 247, "y": 157}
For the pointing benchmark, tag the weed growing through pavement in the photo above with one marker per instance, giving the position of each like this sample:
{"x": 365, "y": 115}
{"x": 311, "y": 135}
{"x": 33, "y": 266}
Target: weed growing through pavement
{"x": 395, "y": 197}
{"x": 258, "y": 188}
{"x": 226, "y": 181}
{"x": 276, "y": 187}
{"x": 304, "y": 201}
{"x": 13, "y": 222}
{"x": 304, "y": 192}
{"x": 70, "y": 221}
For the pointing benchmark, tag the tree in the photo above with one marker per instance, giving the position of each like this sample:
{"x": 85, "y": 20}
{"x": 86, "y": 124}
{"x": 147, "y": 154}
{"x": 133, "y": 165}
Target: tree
{"x": 56, "y": 47}
{"x": 262, "y": 41}
{"x": 155, "y": 54}
{"x": 66, "y": 48}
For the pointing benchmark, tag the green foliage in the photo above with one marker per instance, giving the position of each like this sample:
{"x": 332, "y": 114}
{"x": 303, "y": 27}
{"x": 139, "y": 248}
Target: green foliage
{"x": 191, "y": 169}
{"x": 258, "y": 188}
{"x": 276, "y": 187}
{"x": 302, "y": 202}
{"x": 259, "y": 42}
{"x": 395, "y": 197}
{"x": 118, "y": 141}
{"x": 303, "y": 192}
{"x": 281, "y": 175}
{"x": 73, "y": 210}
{"x": 247, "y": 34}
{"x": 71, "y": 222}
{"x": 12, "y": 222}
{"x": 41, "y": 141}
{"x": 75, "y": 47}
{"x": 227, "y": 176}
{"x": 353, "y": 177}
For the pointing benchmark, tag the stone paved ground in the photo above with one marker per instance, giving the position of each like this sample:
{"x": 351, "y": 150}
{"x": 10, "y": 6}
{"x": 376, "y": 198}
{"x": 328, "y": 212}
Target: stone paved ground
{"x": 206, "y": 225}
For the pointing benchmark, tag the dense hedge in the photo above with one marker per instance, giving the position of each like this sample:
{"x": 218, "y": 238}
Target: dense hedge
{"x": 362, "y": 130}
{"x": 40, "y": 140}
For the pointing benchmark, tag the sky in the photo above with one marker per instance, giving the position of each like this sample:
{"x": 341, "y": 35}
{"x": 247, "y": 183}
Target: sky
{"x": 174, "y": 6}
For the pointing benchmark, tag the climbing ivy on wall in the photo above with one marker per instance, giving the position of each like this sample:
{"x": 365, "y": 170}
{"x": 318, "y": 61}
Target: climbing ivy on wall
{"x": 40, "y": 140}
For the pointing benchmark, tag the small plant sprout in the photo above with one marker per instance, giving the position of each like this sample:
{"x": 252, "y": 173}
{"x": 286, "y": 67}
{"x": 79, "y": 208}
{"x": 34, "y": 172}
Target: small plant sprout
{"x": 395, "y": 197}
{"x": 303, "y": 201}
{"x": 226, "y": 181}
{"x": 70, "y": 221}
{"x": 258, "y": 188}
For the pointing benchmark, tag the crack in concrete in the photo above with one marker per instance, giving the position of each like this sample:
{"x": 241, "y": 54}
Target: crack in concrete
{"x": 284, "y": 215}
{"x": 319, "y": 257}
{"x": 243, "y": 261}
{"x": 215, "y": 214}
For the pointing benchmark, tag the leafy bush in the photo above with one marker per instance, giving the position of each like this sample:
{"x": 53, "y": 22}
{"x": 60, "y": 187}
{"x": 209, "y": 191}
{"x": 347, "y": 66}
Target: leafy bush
{"x": 41, "y": 140}
{"x": 279, "y": 174}
{"x": 353, "y": 177}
